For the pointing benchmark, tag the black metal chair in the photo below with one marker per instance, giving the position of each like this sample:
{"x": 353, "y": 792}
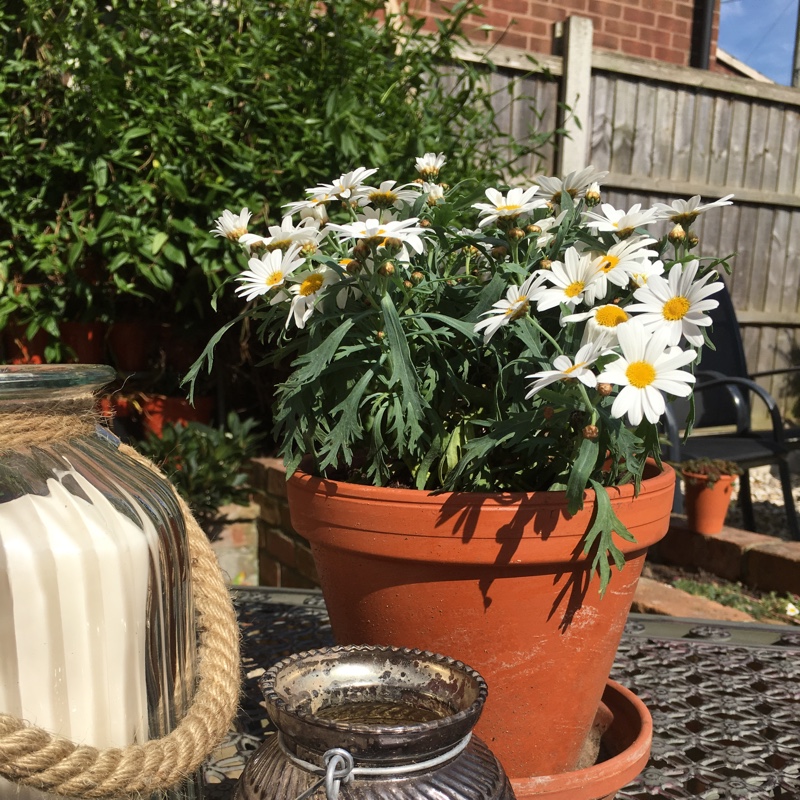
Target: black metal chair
{"x": 723, "y": 395}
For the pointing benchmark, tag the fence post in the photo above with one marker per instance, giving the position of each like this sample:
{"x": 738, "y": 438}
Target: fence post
{"x": 575, "y": 89}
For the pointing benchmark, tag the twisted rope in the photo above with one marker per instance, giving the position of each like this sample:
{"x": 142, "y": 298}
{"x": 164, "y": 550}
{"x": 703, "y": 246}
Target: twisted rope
{"x": 34, "y": 757}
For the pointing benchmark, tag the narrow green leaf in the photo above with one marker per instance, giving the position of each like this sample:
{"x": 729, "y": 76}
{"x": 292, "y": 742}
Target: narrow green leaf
{"x": 400, "y": 356}
{"x": 159, "y": 240}
{"x": 579, "y": 475}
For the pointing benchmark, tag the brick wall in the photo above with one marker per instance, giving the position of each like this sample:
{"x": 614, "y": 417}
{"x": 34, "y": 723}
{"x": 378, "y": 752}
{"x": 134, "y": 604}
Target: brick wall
{"x": 657, "y": 30}
{"x": 284, "y": 557}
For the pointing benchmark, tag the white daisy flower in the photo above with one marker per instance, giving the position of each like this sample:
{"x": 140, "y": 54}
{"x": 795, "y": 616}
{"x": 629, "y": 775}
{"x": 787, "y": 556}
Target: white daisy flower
{"x": 232, "y": 226}
{"x": 350, "y": 182}
{"x": 566, "y": 369}
{"x": 315, "y": 207}
{"x": 386, "y": 195}
{"x": 306, "y": 291}
{"x": 571, "y": 279}
{"x": 549, "y": 226}
{"x": 647, "y": 367}
{"x": 515, "y": 203}
{"x": 601, "y": 323}
{"x": 515, "y": 305}
{"x": 623, "y": 223}
{"x": 645, "y": 271}
{"x": 252, "y": 241}
{"x": 283, "y": 236}
{"x": 616, "y": 265}
{"x": 434, "y": 191}
{"x": 374, "y": 230}
{"x": 677, "y": 304}
{"x": 429, "y": 165}
{"x": 574, "y": 184}
{"x": 267, "y": 273}
{"x": 684, "y": 212}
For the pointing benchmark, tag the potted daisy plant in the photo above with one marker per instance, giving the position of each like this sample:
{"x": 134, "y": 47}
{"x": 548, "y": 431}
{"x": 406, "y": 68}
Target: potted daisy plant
{"x": 470, "y": 419}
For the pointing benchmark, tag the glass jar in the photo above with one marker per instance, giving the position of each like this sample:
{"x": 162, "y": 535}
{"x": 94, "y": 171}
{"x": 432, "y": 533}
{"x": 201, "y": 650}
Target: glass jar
{"x": 376, "y": 722}
{"x": 97, "y": 633}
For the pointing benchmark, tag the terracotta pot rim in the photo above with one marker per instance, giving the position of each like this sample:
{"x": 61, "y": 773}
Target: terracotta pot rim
{"x": 611, "y": 774}
{"x": 655, "y": 480}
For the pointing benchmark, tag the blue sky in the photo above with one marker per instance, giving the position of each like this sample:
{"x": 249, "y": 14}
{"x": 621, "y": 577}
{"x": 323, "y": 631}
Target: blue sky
{"x": 761, "y": 33}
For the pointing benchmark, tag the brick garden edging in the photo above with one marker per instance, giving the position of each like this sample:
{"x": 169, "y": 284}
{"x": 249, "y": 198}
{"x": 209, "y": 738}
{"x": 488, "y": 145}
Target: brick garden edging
{"x": 284, "y": 557}
{"x": 762, "y": 561}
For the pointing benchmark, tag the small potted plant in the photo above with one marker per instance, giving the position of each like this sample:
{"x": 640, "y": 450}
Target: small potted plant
{"x": 708, "y": 483}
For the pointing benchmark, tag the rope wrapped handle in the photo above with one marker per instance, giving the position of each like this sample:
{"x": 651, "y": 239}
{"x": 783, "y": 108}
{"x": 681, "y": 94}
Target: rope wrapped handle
{"x": 33, "y": 757}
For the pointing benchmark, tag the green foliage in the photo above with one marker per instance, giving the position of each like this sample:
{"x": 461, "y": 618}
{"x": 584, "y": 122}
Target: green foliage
{"x": 416, "y": 327}
{"x": 712, "y": 468}
{"x": 208, "y": 466}
{"x": 122, "y": 125}
{"x": 768, "y": 606}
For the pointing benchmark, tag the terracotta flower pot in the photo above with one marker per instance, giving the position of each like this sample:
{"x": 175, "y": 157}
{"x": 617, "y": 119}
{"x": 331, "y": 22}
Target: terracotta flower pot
{"x": 87, "y": 340}
{"x": 496, "y": 580}
{"x": 159, "y": 410}
{"x": 706, "y": 506}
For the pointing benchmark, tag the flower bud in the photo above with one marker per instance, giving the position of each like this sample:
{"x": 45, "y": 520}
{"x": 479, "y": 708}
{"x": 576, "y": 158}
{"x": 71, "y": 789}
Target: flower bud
{"x": 308, "y": 249}
{"x": 424, "y": 223}
{"x": 417, "y": 277}
{"x": 604, "y": 389}
{"x": 393, "y": 245}
{"x": 592, "y": 196}
{"x": 677, "y": 235}
{"x": 380, "y": 335}
{"x": 591, "y": 432}
{"x": 548, "y": 412}
{"x": 515, "y": 234}
{"x": 408, "y": 285}
{"x": 545, "y": 263}
{"x": 533, "y": 228}
{"x": 361, "y": 251}
{"x": 692, "y": 239}
{"x": 499, "y": 252}
{"x": 386, "y": 269}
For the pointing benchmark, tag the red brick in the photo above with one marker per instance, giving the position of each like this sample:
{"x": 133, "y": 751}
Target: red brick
{"x": 681, "y": 42}
{"x": 496, "y": 19}
{"x": 775, "y": 566}
{"x": 532, "y": 26}
{"x": 635, "y": 48}
{"x": 305, "y": 564}
{"x": 653, "y": 597}
{"x": 539, "y": 45}
{"x": 684, "y": 10}
{"x": 605, "y": 9}
{"x": 269, "y": 572}
{"x": 554, "y": 13}
{"x": 671, "y": 25}
{"x": 625, "y": 30}
{"x": 517, "y": 8}
{"x": 511, "y": 39}
{"x": 639, "y": 16}
{"x": 606, "y": 41}
{"x": 269, "y": 510}
{"x": 669, "y": 55}
{"x": 281, "y": 547}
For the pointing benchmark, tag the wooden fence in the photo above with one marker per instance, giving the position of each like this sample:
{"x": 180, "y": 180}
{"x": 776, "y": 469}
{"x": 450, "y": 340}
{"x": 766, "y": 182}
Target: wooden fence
{"x": 664, "y": 131}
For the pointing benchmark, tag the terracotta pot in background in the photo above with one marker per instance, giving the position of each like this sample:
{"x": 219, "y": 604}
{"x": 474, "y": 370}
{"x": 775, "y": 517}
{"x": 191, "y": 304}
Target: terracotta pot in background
{"x": 498, "y": 581}
{"x": 131, "y": 345}
{"x": 19, "y": 349}
{"x": 706, "y": 506}
{"x": 159, "y": 410}
{"x": 86, "y": 340}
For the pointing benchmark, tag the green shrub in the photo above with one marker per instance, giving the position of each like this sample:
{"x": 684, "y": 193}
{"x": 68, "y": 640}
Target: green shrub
{"x": 123, "y": 126}
{"x": 208, "y": 466}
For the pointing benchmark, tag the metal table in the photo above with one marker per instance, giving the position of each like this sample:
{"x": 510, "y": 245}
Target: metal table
{"x": 725, "y": 697}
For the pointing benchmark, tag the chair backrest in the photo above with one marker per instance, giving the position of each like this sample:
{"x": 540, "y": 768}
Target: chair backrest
{"x": 715, "y": 407}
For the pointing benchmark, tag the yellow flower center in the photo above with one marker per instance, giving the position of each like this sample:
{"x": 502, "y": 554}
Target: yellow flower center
{"x": 608, "y": 263}
{"x": 311, "y": 284}
{"x": 640, "y": 374}
{"x": 574, "y": 289}
{"x": 610, "y": 316}
{"x": 508, "y": 209}
{"x": 236, "y": 234}
{"x": 570, "y": 370}
{"x": 675, "y": 308}
{"x": 279, "y": 244}
{"x": 519, "y": 309}
{"x": 383, "y": 199}
{"x": 274, "y": 278}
